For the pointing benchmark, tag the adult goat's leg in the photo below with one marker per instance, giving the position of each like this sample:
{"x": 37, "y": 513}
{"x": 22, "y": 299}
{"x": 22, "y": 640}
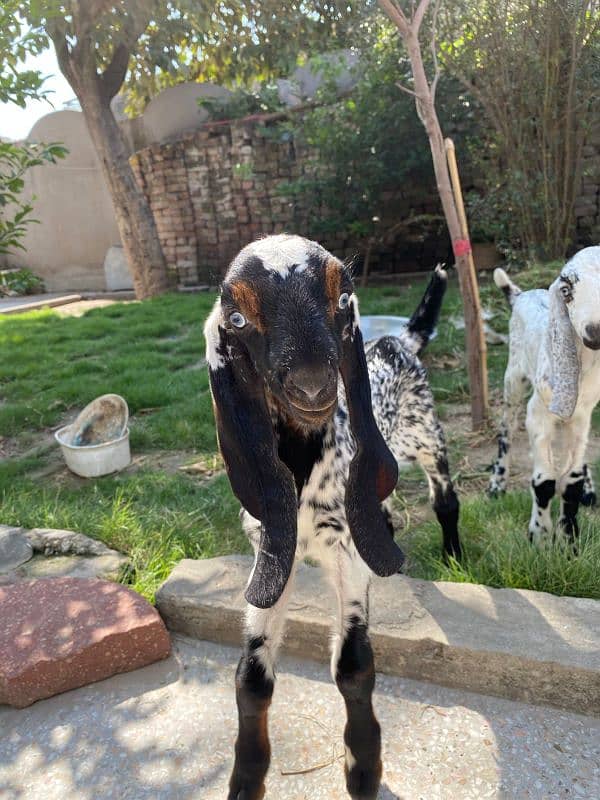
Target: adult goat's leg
{"x": 353, "y": 670}
{"x": 254, "y": 682}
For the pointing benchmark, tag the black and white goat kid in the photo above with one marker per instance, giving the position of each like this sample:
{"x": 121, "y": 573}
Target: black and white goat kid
{"x": 307, "y": 457}
{"x": 554, "y": 347}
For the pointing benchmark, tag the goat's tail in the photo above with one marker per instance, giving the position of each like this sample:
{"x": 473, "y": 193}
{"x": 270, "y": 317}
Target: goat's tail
{"x": 422, "y": 324}
{"x": 510, "y": 289}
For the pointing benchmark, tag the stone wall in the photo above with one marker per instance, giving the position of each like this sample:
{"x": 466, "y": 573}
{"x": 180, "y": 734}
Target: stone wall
{"x": 587, "y": 203}
{"x": 218, "y": 188}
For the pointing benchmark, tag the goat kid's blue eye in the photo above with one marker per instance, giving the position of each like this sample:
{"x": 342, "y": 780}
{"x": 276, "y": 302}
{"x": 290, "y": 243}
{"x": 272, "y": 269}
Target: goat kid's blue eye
{"x": 237, "y": 320}
{"x": 344, "y": 300}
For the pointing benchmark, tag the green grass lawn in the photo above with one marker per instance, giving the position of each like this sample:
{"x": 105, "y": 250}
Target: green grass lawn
{"x": 152, "y": 354}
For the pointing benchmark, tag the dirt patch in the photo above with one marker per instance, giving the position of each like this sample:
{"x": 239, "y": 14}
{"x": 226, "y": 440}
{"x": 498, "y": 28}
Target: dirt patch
{"x": 471, "y": 454}
{"x": 79, "y": 308}
{"x": 202, "y": 468}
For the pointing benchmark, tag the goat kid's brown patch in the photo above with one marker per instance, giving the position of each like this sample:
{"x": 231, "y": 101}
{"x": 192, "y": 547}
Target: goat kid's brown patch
{"x": 246, "y": 298}
{"x": 333, "y": 283}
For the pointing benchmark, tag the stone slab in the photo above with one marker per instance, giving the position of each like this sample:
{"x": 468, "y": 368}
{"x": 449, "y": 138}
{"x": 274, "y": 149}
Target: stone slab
{"x": 517, "y": 644}
{"x": 61, "y": 553}
{"x": 62, "y": 633}
{"x": 14, "y": 548}
{"x": 116, "y": 270}
{"x": 166, "y": 732}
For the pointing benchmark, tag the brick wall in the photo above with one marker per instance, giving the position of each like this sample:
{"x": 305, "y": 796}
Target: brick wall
{"x": 218, "y": 188}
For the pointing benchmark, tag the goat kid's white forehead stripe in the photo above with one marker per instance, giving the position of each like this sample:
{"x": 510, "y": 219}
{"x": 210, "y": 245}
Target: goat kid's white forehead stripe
{"x": 280, "y": 253}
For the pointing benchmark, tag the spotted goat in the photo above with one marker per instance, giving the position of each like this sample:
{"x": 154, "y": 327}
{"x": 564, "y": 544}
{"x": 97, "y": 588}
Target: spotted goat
{"x": 554, "y": 347}
{"x": 312, "y": 426}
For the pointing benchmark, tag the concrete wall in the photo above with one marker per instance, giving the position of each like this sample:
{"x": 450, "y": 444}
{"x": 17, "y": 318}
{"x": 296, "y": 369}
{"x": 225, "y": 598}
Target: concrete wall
{"x": 77, "y": 224}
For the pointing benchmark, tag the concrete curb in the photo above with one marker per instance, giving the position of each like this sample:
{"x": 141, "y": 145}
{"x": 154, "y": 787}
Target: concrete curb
{"x": 35, "y": 305}
{"x": 517, "y": 644}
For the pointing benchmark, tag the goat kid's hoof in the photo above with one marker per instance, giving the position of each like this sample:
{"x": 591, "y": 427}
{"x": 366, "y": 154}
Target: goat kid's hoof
{"x": 496, "y": 491}
{"x": 237, "y": 791}
{"x": 589, "y": 499}
{"x": 455, "y": 554}
{"x": 363, "y": 784}
{"x": 247, "y": 794}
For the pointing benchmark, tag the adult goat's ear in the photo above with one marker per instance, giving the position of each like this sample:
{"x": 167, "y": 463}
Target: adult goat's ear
{"x": 259, "y": 479}
{"x": 563, "y": 358}
{"x": 373, "y": 470}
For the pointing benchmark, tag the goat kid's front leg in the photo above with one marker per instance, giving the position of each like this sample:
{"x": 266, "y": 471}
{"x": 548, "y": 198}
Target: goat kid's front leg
{"x": 514, "y": 393}
{"x": 574, "y": 480}
{"x": 570, "y": 500}
{"x": 353, "y": 670}
{"x": 443, "y": 500}
{"x": 254, "y": 682}
{"x": 541, "y": 429}
{"x": 589, "y": 490}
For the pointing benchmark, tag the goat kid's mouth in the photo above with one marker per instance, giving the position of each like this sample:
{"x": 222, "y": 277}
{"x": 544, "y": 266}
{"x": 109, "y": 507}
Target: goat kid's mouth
{"x": 312, "y": 409}
{"x": 312, "y": 416}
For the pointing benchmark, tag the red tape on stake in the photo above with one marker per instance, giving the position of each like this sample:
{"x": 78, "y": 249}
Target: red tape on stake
{"x": 461, "y": 247}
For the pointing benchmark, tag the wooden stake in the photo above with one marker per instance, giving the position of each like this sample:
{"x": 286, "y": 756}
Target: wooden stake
{"x": 473, "y": 328}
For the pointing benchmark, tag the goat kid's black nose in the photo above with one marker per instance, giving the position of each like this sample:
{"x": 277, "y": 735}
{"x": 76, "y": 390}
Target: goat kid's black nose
{"x": 309, "y": 381}
{"x": 592, "y": 336}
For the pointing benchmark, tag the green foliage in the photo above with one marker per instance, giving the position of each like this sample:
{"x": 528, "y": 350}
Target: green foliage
{"x": 15, "y": 212}
{"x": 20, "y": 281}
{"x": 243, "y": 102}
{"x": 364, "y": 148}
{"x": 17, "y": 86}
{"x": 234, "y": 43}
{"x": 498, "y": 553}
{"x": 533, "y": 67}
{"x": 155, "y": 517}
{"x": 16, "y": 43}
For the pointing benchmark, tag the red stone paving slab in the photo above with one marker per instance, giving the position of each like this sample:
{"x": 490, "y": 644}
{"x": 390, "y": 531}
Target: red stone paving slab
{"x": 60, "y": 633}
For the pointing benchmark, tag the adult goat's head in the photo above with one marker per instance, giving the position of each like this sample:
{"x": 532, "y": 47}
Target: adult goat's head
{"x": 574, "y": 314}
{"x": 285, "y": 326}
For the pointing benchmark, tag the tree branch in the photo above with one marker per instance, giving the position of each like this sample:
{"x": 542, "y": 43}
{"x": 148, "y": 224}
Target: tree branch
{"x": 419, "y": 14}
{"x": 395, "y": 14}
{"x": 58, "y": 36}
{"x": 436, "y": 75}
{"x": 406, "y": 89}
{"x": 113, "y": 76}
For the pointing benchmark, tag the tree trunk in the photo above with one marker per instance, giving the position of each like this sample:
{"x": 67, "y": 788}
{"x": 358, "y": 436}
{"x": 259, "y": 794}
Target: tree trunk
{"x": 425, "y": 102}
{"x": 134, "y": 216}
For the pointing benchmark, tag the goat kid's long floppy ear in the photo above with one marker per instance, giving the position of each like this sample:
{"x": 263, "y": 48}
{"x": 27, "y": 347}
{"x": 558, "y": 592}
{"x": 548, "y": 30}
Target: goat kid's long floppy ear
{"x": 259, "y": 479}
{"x": 564, "y": 361}
{"x": 373, "y": 470}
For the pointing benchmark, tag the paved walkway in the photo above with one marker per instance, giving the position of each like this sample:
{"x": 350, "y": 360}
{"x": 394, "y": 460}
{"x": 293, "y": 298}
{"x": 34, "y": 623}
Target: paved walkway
{"x": 166, "y": 733}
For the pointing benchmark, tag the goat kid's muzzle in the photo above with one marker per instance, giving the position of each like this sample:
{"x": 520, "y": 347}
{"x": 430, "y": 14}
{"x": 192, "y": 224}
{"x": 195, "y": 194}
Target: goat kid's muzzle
{"x": 311, "y": 391}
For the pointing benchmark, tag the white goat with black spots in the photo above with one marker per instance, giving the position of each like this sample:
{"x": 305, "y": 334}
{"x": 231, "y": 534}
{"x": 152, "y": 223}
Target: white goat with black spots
{"x": 554, "y": 347}
{"x": 312, "y": 456}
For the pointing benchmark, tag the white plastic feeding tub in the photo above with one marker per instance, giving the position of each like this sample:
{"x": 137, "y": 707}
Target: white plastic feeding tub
{"x": 97, "y": 443}
{"x": 376, "y": 325}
